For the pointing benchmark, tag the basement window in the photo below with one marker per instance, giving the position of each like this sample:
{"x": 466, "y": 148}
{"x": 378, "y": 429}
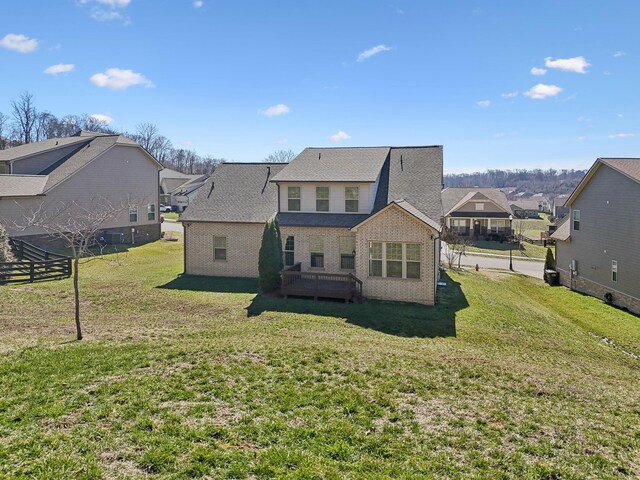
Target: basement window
{"x": 614, "y": 270}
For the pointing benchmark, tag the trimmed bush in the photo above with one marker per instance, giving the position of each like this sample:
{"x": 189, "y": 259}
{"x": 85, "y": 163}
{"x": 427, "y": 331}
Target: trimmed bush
{"x": 549, "y": 262}
{"x": 270, "y": 261}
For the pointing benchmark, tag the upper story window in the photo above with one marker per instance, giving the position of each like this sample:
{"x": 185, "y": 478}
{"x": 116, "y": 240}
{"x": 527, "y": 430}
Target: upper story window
{"x": 479, "y": 206}
{"x": 133, "y": 214}
{"x": 151, "y": 212}
{"x": 576, "y": 219}
{"x": 322, "y": 199}
{"x": 293, "y": 199}
{"x": 351, "y": 199}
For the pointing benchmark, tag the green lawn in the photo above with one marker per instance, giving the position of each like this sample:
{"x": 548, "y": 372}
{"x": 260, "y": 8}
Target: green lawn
{"x": 532, "y": 227}
{"x": 171, "y": 215}
{"x": 183, "y": 377}
{"x": 527, "y": 250}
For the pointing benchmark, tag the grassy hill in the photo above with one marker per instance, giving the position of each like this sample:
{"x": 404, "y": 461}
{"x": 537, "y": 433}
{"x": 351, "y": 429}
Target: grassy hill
{"x": 192, "y": 377}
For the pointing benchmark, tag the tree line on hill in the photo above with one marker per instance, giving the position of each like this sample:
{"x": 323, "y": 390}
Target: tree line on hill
{"x": 549, "y": 182}
{"x": 25, "y": 123}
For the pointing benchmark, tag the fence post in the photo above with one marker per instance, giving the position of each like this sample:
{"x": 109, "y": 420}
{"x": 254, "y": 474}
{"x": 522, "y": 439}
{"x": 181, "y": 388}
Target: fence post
{"x": 31, "y": 272}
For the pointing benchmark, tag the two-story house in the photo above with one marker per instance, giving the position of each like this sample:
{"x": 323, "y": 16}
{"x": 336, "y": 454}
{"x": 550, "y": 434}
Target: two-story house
{"x": 371, "y": 212}
{"x": 83, "y": 172}
{"x": 598, "y": 243}
{"x": 479, "y": 213}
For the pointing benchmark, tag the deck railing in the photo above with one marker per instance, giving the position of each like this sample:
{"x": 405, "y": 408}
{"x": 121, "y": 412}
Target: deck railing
{"x": 34, "y": 264}
{"x": 320, "y": 284}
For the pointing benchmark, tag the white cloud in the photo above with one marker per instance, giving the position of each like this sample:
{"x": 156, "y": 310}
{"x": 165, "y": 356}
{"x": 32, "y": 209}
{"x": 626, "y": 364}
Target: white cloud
{"x": 187, "y": 143}
{"x": 574, "y": 64}
{"x": 336, "y": 137}
{"x": 509, "y": 95}
{"x": 541, "y": 91}
{"x": 60, "y": 68}
{"x": 582, "y": 138}
{"x": 373, "y": 51}
{"x": 619, "y": 54}
{"x": 538, "y": 71}
{"x": 115, "y": 3}
{"x": 282, "y": 141}
{"x": 19, "y": 43}
{"x": 623, "y": 135}
{"x": 102, "y": 118}
{"x": 198, "y": 4}
{"x": 275, "y": 110}
{"x": 484, "y": 103}
{"x": 620, "y": 115}
{"x": 117, "y": 79}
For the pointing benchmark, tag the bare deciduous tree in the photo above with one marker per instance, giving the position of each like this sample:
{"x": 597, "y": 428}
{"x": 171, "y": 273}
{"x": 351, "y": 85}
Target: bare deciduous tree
{"x": 77, "y": 224}
{"x": 24, "y": 116}
{"x": 281, "y": 156}
{"x": 146, "y": 135}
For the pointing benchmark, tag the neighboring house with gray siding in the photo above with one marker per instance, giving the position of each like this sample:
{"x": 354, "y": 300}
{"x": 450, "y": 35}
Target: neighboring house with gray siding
{"x": 178, "y": 189}
{"x": 87, "y": 170}
{"x": 598, "y": 243}
{"x": 370, "y": 212}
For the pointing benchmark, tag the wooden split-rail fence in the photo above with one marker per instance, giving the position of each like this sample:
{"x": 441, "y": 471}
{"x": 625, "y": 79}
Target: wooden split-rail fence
{"x": 34, "y": 264}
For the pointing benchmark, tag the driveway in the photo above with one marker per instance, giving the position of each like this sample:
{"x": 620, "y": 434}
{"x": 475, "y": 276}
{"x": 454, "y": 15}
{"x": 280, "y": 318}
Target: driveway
{"x": 532, "y": 268}
{"x": 168, "y": 226}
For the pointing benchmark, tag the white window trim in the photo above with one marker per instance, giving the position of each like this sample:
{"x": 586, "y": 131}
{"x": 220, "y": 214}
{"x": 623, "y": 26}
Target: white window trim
{"x": 151, "y": 210}
{"x": 404, "y": 261}
{"x": 328, "y": 199}
{"x": 226, "y": 248}
{"x": 131, "y": 210}
{"x": 614, "y": 271}
{"x": 573, "y": 220}
{"x": 293, "y": 198}
{"x": 357, "y": 187}
{"x": 480, "y": 206}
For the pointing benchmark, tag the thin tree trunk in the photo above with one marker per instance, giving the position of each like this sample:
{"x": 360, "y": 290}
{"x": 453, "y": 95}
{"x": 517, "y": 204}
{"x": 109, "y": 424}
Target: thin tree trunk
{"x": 76, "y": 293}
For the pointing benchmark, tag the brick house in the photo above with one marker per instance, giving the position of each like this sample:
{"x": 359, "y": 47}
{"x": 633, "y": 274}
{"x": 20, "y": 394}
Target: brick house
{"x": 368, "y": 213}
{"x": 598, "y": 243}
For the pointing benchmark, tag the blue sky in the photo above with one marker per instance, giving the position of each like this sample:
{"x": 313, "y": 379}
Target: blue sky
{"x": 240, "y": 79}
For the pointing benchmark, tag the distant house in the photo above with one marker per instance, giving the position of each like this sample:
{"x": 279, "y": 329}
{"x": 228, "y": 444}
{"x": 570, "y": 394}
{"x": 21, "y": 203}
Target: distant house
{"x": 476, "y": 212}
{"x": 360, "y": 216}
{"x": 178, "y": 189}
{"x": 526, "y": 208}
{"x": 83, "y": 170}
{"x": 598, "y": 244}
{"x": 559, "y": 211}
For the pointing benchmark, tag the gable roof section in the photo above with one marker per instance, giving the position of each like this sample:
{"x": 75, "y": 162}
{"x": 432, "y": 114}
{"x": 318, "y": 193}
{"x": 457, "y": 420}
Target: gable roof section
{"x": 563, "y": 232}
{"x": 22, "y": 185}
{"x": 407, "y": 208}
{"x": 236, "y": 193}
{"x": 35, "y": 148}
{"x": 629, "y": 167}
{"x": 455, "y": 197}
{"x": 348, "y": 164}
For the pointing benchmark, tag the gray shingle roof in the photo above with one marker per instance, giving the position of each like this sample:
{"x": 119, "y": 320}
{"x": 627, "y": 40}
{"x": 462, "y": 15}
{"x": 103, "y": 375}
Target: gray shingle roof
{"x": 237, "y": 192}
{"x": 563, "y": 232}
{"x": 350, "y": 164}
{"x": 628, "y": 166}
{"x": 452, "y": 197}
{"x": 22, "y": 185}
{"x": 335, "y": 220}
{"x": 39, "y": 147}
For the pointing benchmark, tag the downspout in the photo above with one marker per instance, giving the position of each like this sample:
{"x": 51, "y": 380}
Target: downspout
{"x": 436, "y": 257}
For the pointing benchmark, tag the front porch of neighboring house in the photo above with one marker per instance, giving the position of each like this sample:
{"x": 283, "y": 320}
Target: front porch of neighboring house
{"x": 320, "y": 284}
{"x": 496, "y": 229}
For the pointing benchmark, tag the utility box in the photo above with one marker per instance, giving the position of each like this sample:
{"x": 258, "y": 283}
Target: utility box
{"x": 113, "y": 238}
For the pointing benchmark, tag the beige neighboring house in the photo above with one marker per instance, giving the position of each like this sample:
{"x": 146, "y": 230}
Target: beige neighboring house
{"x": 478, "y": 213}
{"x": 598, "y": 243}
{"x": 85, "y": 169}
{"x": 178, "y": 189}
{"x": 372, "y": 213}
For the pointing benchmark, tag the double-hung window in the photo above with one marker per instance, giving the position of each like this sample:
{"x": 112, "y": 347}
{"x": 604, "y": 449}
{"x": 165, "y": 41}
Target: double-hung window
{"x": 293, "y": 199}
{"x": 395, "y": 260}
{"x": 614, "y": 270}
{"x": 316, "y": 249}
{"x": 576, "y": 219}
{"x": 220, "y": 249}
{"x": 322, "y": 199}
{"x": 151, "y": 212}
{"x": 289, "y": 251}
{"x": 133, "y": 214}
{"x": 351, "y": 199}
{"x": 347, "y": 253}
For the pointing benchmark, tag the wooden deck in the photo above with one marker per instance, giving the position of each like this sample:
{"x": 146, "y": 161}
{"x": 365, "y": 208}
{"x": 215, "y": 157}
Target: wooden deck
{"x": 321, "y": 285}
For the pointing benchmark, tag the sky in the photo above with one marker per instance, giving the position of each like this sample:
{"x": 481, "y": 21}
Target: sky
{"x": 501, "y": 83}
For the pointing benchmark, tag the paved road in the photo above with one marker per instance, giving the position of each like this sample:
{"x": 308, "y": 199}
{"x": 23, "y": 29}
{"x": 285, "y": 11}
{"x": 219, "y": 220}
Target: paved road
{"x": 168, "y": 226}
{"x": 526, "y": 267}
